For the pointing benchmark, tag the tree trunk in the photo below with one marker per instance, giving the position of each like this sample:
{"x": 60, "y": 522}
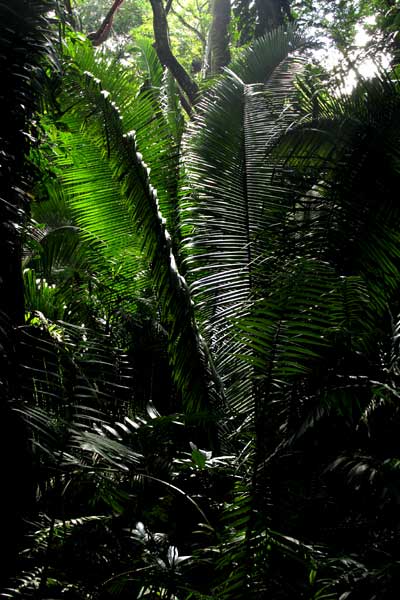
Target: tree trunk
{"x": 166, "y": 57}
{"x": 219, "y": 52}
{"x": 270, "y": 14}
{"x": 101, "y": 35}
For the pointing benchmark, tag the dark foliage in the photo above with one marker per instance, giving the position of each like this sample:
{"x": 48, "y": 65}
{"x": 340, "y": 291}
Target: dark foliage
{"x": 25, "y": 43}
{"x": 228, "y": 434}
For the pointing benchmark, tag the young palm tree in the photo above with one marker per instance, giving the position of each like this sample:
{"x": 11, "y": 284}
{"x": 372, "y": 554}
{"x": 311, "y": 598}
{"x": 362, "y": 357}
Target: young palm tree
{"x": 321, "y": 338}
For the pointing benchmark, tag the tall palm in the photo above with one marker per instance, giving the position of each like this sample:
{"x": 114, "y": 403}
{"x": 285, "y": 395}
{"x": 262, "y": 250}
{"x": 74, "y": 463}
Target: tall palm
{"x": 101, "y": 162}
{"x": 293, "y": 267}
{"x": 342, "y": 168}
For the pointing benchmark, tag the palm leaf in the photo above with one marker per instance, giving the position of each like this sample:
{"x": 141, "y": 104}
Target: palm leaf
{"x": 234, "y": 199}
{"x": 149, "y": 63}
{"x": 347, "y": 159}
{"x": 97, "y": 118}
{"x": 141, "y": 112}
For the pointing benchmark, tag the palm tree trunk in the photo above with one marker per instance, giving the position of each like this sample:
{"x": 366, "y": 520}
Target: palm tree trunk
{"x": 219, "y": 36}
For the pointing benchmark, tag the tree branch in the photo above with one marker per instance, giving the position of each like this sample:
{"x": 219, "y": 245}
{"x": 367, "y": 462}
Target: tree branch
{"x": 100, "y": 36}
{"x": 190, "y": 27}
{"x": 165, "y": 55}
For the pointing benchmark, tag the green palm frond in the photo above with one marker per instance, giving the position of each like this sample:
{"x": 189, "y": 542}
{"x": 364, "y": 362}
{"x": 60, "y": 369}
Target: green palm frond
{"x": 79, "y": 444}
{"x": 89, "y": 272}
{"x": 149, "y": 63}
{"x": 258, "y": 63}
{"x": 96, "y": 118}
{"x": 87, "y": 175}
{"x": 64, "y": 365}
{"x": 27, "y": 584}
{"x": 289, "y": 327}
{"x": 42, "y": 297}
{"x": 333, "y": 218}
{"x": 235, "y": 205}
{"x": 141, "y": 112}
{"x": 79, "y": 55}
{"x": 61, "y": 530}
{"x": 252, "y": 558}
{"x": 348, "y": 158}
{"x": 56, "y": 249}
{"x": 321, "y": 334}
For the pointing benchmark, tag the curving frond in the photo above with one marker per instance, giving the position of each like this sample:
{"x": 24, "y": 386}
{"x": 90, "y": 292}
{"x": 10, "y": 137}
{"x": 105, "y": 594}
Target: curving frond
{"x": 148, "y": 62}
{"x": 97, "y": 117}
{"x": 235, "y": 205}
{"x": 141, "y": 112}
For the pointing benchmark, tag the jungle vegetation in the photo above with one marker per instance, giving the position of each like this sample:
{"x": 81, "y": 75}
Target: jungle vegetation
{"x": 199, "y": 300}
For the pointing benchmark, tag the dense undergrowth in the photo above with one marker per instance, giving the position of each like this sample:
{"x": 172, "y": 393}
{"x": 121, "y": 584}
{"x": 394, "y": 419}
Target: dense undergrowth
{"x": 202, "y": 396}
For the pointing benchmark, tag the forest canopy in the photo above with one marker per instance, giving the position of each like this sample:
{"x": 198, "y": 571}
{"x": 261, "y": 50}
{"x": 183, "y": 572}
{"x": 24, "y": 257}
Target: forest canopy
{"x": 199, "y": 299}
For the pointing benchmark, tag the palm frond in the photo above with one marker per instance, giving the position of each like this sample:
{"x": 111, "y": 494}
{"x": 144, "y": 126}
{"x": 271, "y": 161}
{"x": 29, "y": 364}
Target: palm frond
{"x": 63, "y": 365}
{"x": 96, "y": 117}
{"x": 148, "y": 62}
{"x": 234, "y": 199}
{"x": 348, "y": 159}
{"x": 141, "y": 112}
